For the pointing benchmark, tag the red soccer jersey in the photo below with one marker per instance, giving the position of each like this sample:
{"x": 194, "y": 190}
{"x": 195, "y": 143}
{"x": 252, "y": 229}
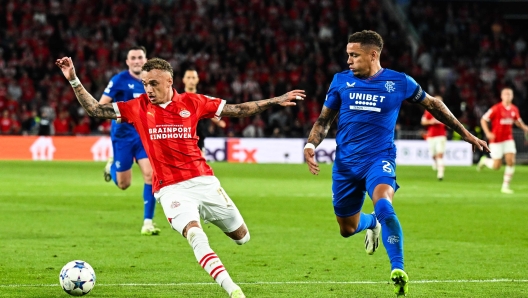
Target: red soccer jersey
{"x": 434, "y": 130}
{"x": 502, "y": 119}
{"x": 169, "y": 134}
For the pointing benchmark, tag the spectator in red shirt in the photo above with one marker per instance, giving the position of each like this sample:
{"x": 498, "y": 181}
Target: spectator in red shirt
{"x": 5, "y": 123}
{"x": 62, "y": 125}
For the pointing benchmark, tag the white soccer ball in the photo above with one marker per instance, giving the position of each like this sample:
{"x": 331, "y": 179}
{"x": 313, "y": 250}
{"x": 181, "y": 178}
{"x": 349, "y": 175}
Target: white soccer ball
{"x": 77, "y": 278}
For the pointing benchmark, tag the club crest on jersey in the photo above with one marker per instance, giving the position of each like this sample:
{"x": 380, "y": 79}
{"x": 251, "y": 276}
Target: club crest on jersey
{"x": 185, "y": 113}
{"x": 175, "y": 204}
{"x": 389, "y": 85}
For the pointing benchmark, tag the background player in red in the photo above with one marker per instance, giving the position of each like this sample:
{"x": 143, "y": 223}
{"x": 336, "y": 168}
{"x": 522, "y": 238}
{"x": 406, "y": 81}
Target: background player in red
{"x": 436, "y": 138}
{"x": 183, "y": 183}
{"x": 190, "y": 81}
{"x": 502, "y": 116}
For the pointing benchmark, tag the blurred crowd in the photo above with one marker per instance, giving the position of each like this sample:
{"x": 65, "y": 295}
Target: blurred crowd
{"x": 243, "y": 51}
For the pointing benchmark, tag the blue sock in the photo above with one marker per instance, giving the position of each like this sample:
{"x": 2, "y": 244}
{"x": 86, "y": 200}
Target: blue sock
{"x": 391, "y": 231}
{"x": 113, "y": 172}
{"x": 149, "y": 201}
{"x": 366, "y": 221}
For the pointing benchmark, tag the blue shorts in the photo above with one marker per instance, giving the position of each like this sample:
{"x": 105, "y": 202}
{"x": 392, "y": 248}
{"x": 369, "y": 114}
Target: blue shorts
{"x": 350, "y": 183}
{"x": 125, "y": 151}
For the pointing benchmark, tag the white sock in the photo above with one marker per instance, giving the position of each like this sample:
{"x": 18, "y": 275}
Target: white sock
{"x": 208, "y": 259}
{"x": 508, "y": 174}
{"x": 488, "y": 162}
{"x": 147, "y": 222}
{"x": 440, "y": 163}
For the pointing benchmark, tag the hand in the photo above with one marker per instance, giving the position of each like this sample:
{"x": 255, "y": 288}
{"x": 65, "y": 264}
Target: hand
{"x": 309, "y": 155}
{"x": 288, "y": 98}
{"x": 477, "y": 143}
{"x": 66, "y": 65}
{"x": 490, "y": 136}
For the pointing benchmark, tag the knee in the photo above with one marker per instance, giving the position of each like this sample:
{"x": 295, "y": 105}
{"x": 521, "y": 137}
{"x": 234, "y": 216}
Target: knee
{"x": 243, "y": 240}
{"x": 347, "y": 231}
{"x": 147, "y": 177}
{"x": 123, "y": 185}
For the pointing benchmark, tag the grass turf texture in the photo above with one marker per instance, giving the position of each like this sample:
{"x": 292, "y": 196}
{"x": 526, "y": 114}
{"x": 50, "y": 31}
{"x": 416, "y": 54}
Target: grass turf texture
{"x": 457, "y": 232}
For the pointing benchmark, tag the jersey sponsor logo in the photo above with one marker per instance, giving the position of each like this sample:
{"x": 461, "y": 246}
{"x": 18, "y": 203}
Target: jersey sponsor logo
{"x": 167, "y": 131}
{"x": 185, "y": 113}
{"x": 506, "y": 121}
{"x": 389, "y": 85}
{"x": 366, "y": 96}
{"x": 350, "y": 85}
{"x": 131, "y": 86}
{"x": 362, "y": 108}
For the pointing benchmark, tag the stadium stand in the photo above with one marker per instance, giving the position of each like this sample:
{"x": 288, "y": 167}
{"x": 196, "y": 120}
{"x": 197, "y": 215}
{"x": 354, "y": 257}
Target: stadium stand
{"x": 253, "y": 49}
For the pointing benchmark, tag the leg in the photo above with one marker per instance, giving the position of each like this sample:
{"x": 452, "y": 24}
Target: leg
{"x": 182, "y": 212}
{"x": 149, "y": 202}
{"x": 392, "y": 235}
{"x": 508, "y": 173}
{"x": 440, "y": 149}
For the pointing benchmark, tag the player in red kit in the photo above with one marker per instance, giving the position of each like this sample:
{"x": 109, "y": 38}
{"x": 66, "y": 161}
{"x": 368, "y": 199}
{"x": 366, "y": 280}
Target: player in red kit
{"x": 502, "y": 116}
{"x": 436, "y": 138}
{"x": 182, "y": 181}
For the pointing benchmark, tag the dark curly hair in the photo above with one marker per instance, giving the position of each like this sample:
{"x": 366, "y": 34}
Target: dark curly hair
{"x": 368, "y": 38}
{"x": 158, "y": 63}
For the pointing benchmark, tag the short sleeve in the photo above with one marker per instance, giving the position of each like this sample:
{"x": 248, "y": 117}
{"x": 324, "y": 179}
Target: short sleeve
{"x": 126, "y": 110}
{"x": 517, "y": 115}
{"x": 333, "y": 100}
{"x": 111, "y": 89}
{"x": 488, "y": 115}
{"x": 413, "y": 91}
{"x": 207, "y": 106}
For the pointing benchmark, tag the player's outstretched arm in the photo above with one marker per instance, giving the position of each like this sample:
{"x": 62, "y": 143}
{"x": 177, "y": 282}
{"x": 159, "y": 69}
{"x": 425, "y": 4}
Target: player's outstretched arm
{"x": 254, "y": 107}
{"x": 89, "y": 103}
{"x": 317, "y": 135}
{"x": 444, "y": 115}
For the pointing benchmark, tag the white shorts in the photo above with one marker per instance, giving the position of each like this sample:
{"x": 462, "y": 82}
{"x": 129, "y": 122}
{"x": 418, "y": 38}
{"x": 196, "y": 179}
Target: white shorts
{"x": 436, "y": 145}
{"x": 499, "y": 149}
{"x": 199, "y": 197}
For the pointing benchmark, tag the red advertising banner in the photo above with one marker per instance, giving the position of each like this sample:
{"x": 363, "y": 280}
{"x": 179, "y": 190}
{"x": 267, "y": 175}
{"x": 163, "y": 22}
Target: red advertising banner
{"x": 55, "y": 148}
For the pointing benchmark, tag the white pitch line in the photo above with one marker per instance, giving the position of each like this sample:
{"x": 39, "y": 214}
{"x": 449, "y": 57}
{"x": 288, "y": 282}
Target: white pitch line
{"x": 279, "y": 283}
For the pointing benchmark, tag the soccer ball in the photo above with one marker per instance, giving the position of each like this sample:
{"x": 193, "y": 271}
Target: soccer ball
{"x": 77, "y": 278}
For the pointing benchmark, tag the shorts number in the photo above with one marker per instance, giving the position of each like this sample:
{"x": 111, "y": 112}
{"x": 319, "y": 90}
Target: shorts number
{"x": 386, "y": 166}
{"x": 223, "y": 194}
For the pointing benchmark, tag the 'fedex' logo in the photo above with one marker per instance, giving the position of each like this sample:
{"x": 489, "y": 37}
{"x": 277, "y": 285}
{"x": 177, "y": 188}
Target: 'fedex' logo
{"x": 237, "y": 154}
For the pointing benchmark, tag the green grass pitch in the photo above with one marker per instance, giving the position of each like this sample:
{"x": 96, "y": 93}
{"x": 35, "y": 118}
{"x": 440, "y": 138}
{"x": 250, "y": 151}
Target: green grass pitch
{"x": 463, "y": 238}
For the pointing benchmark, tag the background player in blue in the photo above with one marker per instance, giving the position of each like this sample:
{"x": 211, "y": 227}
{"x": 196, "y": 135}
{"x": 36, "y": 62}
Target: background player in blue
{"x": 126, "y": 144}
{"x": 367, "y": 99}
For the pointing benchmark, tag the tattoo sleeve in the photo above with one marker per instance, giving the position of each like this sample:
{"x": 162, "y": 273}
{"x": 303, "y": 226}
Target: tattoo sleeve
{"x": 440, "y": 111}
{"x": 321, "y": 126}
{"x": 251, "y": 108}
{"x": 92, "y": 106}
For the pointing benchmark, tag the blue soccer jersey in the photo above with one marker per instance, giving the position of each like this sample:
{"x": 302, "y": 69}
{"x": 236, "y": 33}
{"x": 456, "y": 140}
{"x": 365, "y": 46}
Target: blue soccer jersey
{"x": 368, "y": 110}
{"x": 365, "y": 153}
{"x": 123, "y": 87}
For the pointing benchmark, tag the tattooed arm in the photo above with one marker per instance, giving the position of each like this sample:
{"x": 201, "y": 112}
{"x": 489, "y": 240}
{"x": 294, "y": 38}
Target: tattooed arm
{"x": 317, "y": 135}
{"x": 439, "y": 110}
{"x": 89, "y": 103}
{"x": 254, "y": 107}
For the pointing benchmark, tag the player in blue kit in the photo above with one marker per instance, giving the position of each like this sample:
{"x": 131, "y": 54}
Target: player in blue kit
{"x": 126, "y": 144}
{"x": 367, "y": 99}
